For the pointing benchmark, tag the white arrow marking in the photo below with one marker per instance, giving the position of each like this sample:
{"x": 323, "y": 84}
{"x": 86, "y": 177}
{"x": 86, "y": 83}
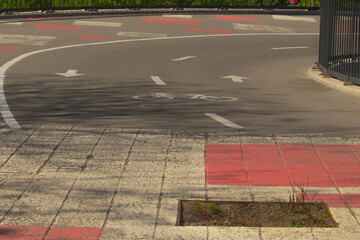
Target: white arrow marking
{"x": 157, "y": 80}
{"x": 183, "y": 58}
{"x": 223, "y": 121}
{"x": 70, "y": 73}
{"x": 236, "y": 79}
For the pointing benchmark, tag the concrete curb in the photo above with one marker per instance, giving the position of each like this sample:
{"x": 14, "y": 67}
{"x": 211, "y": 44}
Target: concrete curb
{"x": 334, "y": 83}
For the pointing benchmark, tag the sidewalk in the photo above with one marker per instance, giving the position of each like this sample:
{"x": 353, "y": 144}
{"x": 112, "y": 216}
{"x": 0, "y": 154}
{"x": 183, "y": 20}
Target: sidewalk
{"x": 67, "y": 181}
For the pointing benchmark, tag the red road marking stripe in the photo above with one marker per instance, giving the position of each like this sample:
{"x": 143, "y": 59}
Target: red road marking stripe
{"x": 55, "y": 233}
{"x": 41, "y": 20}
{"x": 224, "y": 165}
{"x": 305, "y": 166}
{"x": 170, "y": 20}
{"x": 241, "y": 19}
{"x": 265, "y": 166}
{"x": 92, "y": 37}
{"x": 333, "y": 200}
{"x": 342, "y": 164}
{"x": 58, "y": 27}
{"x": 9, "y": 49}
{"x": 217, "y": 31}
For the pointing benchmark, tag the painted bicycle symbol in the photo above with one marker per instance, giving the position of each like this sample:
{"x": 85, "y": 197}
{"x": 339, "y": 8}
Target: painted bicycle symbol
{"x": 168, "y": 96}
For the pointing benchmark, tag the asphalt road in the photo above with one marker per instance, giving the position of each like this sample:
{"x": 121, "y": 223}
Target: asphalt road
{"x": 166, "y": 72}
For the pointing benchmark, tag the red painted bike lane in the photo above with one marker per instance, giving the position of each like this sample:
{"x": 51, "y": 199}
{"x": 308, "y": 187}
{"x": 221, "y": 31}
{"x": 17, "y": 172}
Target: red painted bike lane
{"x": 331, "y": 166}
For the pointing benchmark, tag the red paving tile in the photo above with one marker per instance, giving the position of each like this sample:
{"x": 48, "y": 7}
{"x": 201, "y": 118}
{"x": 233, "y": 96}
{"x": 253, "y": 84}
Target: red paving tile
{"x": 170, "y": 20}
{"x": 333, "y": 200}
{"x": 22, "y": 232}
{"x": 241, "y": 19}
{"x": 228, "y": 165}
{"x": 305, "y": 166}
{"x": 342, "y": 164}
{"x": 353, "y": 200}
{"x": 265, "y": 166}
{"x": 73, "y": 233}
{"x": 9, "y": 49}
{"x": 204, "y": 30}
{"x": 55, "y": 233}
{"x": 58, "y": 27}
{"x": 225, "y": 166}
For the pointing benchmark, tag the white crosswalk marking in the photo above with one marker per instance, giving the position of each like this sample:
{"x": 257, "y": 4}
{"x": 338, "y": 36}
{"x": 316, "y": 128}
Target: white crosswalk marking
{"x": 141, "y": 35}
{"x": 177, "y": 16}
{"x": 25, "y": 39}
{"x": 262, "y": 28}
{"x": 292, "y": 18}
{"x": 97, "y": 24}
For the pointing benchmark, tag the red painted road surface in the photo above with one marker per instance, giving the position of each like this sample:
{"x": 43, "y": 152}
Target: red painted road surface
{"x": 240, "y": 19}
{"x": 204, "y": 30}
{"x": 170, "y": 20}
{"x": 281, "y": 165}
{"x": 58, "y": 27}
{"x": 9, "y": 49}
{"x": 55, "y": 233}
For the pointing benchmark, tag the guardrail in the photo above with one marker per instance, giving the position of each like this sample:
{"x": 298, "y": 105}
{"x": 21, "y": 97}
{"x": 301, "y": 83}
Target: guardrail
{"x": 32, "y": 5}
{"x": 339, "y": 54}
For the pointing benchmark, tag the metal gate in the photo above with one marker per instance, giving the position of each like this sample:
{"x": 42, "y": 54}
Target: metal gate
{"x": 339, "y": 54}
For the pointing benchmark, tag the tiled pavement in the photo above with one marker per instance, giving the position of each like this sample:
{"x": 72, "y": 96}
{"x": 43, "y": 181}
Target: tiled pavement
{"x": 69, "y": 182}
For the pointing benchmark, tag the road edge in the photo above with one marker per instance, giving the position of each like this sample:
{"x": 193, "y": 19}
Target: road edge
{"x": 334, "y": 83}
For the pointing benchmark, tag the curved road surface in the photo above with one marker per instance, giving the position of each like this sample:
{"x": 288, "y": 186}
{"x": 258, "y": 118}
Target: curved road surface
{"x": 189, "y": 72}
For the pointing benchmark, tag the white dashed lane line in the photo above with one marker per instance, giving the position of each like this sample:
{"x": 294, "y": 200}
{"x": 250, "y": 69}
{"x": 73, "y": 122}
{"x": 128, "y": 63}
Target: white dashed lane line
{"x": 183, "y": 58}
{"x": 262, "y": 28}
{"x": 97, "y": 24}
{"x": 141, "y": 34}
{"x": 177, "y": 16}
{"x": 292, "y": 18}
{"x": 223, "y": 121}
{"x": 25, "y": 39}
{"x": 157, "y": 80}
{"x": 287, "y": 48}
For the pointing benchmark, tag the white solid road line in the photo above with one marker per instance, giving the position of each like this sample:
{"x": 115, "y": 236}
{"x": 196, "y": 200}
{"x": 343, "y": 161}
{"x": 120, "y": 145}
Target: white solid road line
{"x": 177, "y": 16}
{"x": 12, "y": 23}
{"x": 286, "y": 48}
{"x": 157, "y": 80}
{"x": 97, "y": 24}
{"x": 183, "y": 58}
{"x": 25, "y": 39}
{"x": 223, "y": 121}
{"x": 292, "y": 18}
{"x": 141, "y": 34}
{"x": 4, "y": 108}
{"x": 266, "y": 28}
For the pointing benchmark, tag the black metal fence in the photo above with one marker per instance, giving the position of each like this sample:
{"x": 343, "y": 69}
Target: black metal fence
{"x": 25, "y": 5}
{"x": 340, "y": 39}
